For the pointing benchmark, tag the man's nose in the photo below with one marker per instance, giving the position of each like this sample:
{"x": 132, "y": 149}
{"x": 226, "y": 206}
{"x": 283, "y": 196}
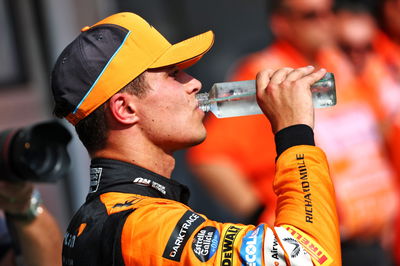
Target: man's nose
{"x": 194, "y": 85}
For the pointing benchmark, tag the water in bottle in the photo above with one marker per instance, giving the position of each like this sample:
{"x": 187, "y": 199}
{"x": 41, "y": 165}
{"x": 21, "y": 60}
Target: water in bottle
{"x": 229, "y": 99}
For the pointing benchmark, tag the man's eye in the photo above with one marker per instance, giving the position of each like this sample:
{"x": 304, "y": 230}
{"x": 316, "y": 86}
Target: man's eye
{"x": 174, "y": 73}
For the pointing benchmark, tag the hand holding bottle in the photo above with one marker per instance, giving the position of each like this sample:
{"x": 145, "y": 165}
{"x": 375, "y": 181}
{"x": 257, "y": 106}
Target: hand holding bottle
{"x": 284, "y": 95}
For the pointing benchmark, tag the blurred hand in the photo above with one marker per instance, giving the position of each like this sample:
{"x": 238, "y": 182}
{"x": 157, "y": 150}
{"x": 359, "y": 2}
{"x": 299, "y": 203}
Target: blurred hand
{"x": 285, "y": 97}
{"x": 15, "y": 196}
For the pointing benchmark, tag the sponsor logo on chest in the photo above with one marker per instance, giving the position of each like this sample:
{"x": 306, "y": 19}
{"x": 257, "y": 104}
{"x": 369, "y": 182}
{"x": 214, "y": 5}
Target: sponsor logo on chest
{"x": 150, "y": 183}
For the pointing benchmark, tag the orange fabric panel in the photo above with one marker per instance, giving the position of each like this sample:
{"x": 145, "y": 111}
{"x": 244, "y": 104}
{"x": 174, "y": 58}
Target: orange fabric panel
{"x": 306, "y": 197}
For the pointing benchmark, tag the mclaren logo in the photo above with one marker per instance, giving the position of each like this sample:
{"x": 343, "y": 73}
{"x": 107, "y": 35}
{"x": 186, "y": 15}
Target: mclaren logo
{"x": 127, "y": 203}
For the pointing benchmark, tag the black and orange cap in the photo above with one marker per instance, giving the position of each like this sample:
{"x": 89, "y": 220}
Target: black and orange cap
{"x": 105, "y": 57}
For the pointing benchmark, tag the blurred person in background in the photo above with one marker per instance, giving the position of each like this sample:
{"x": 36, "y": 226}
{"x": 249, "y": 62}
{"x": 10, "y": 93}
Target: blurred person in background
{"x": 387, "y": 45}
{"x": 378, "y": 74}
{"x": 357, "y": 36}
{"x": 237, "y": 169}
{"x": 29, "y": 235}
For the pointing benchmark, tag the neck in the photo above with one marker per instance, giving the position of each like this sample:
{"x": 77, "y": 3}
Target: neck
{"x": 309, "y": 54}
{"x": 297, "y": 53}
{"x": 141, "y": 153}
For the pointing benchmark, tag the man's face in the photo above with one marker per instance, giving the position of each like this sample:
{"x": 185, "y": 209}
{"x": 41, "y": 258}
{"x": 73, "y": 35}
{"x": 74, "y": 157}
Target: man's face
{"x": 169, "y": 113}
{"x": 309, "y": 23}
{"x": 355, "y": 34}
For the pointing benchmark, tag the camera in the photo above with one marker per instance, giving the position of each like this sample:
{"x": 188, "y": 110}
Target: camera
{"x": 37, "y": 153}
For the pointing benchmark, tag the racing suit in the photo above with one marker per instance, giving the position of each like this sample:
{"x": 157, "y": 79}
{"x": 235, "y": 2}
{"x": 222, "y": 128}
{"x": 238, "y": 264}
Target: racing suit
{"x": 133, "y": 216}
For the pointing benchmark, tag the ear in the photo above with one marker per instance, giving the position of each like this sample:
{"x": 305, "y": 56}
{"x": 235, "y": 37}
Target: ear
{"x": 122, "y": 108}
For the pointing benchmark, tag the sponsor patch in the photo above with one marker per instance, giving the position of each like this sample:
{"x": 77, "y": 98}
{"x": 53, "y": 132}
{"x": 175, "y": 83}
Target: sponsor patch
{"x": 205, "y": 243}
{"x": 69, "y": 239}
{"x": 228, "y": 245}
{"x": 150, "y": 183}
{"x": 273, "y": 252}
{"x": 251, "y": 248}
{"x": 181, "y": 234}
{"x": 305, "y": 185}
{"x": 317, "y": 253}
{"x": 95, "y": 176}
{"x": 296, "y": 253}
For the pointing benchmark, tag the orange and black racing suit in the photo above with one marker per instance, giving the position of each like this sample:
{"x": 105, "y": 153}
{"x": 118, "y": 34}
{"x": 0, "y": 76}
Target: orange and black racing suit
{"x": 133, "y": 216}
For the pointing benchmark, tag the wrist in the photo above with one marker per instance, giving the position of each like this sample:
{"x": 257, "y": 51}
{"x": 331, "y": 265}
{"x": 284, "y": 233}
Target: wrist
{"x": 300, "y": 134}
{"x": 30, "y": 214}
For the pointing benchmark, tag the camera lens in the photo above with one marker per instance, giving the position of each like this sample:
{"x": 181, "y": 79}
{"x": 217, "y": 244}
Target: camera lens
{"x": 37, "y": 153}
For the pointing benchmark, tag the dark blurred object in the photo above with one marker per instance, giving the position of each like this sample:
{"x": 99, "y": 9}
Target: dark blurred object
{"x": 36, "y": 153}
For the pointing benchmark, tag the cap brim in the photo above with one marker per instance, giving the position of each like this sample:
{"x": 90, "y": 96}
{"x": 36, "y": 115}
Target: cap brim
{"x": 187, "y": 52}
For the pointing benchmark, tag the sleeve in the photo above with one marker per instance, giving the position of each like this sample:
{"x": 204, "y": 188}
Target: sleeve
{"x": 305, "y": 233}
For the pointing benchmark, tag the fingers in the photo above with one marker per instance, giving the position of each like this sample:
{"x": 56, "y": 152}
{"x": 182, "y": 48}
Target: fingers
{"x": 263, "y": 78}
{"x": 16, "y": 190}
{"x": 281, "y": 75}
{"x": 299, "y": 73}
{"x": 314, "y": 77}
{"x": 284, "y": 95}
{"x": 15, "y": 197}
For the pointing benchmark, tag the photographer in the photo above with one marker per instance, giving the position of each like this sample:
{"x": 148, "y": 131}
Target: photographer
{"x": 34, "y": 237}
{"x": 29, "y": 235}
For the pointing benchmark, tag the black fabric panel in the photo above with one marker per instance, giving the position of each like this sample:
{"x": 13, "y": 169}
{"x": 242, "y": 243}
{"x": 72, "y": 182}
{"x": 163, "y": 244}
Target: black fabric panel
{"x": 293, "y": 136}
{"x": 111, "y": 253}
{"x": 118, "y": 176}
{"x": 75, "y": 248}
{"x": 84, "y": 59}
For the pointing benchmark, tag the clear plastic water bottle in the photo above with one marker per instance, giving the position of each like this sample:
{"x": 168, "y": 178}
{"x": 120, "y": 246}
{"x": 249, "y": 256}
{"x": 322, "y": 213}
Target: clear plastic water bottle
{"x": 238, "y": 98}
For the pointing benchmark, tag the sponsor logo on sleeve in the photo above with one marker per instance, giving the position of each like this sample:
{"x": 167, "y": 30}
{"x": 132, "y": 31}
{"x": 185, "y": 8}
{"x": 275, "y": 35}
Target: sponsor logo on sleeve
{"x": 317, "y": 253}
{"x": 251, "y": 248}
{"x": 95, "y": 176}
{"x": 228, "y": 245}
{"x": 273, "y": 252}
{"x": 181, "y": 234}
{"x": 305, "y": 185}
{"x": 296, "y": 253}
{"x": 205, "y": 243}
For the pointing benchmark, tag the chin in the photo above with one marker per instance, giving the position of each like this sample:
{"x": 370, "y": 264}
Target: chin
{"x": 197, "y": 140}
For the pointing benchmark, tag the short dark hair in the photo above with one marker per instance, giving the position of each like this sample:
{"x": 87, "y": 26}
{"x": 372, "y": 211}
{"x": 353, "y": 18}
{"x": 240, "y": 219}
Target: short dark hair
{"x": 356, "y": 7}
{"x": 276, "y": 6}
{"x": 93, "y": 129}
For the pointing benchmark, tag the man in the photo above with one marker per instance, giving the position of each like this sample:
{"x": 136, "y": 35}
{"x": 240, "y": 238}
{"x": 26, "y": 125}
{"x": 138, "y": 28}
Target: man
{"x": 122, "y": 85}
{"x": 35, "y": 237}
{"x": 234, "y": 156}
{"x": 357, "y": 36}
{"x": 387, "y": 45}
